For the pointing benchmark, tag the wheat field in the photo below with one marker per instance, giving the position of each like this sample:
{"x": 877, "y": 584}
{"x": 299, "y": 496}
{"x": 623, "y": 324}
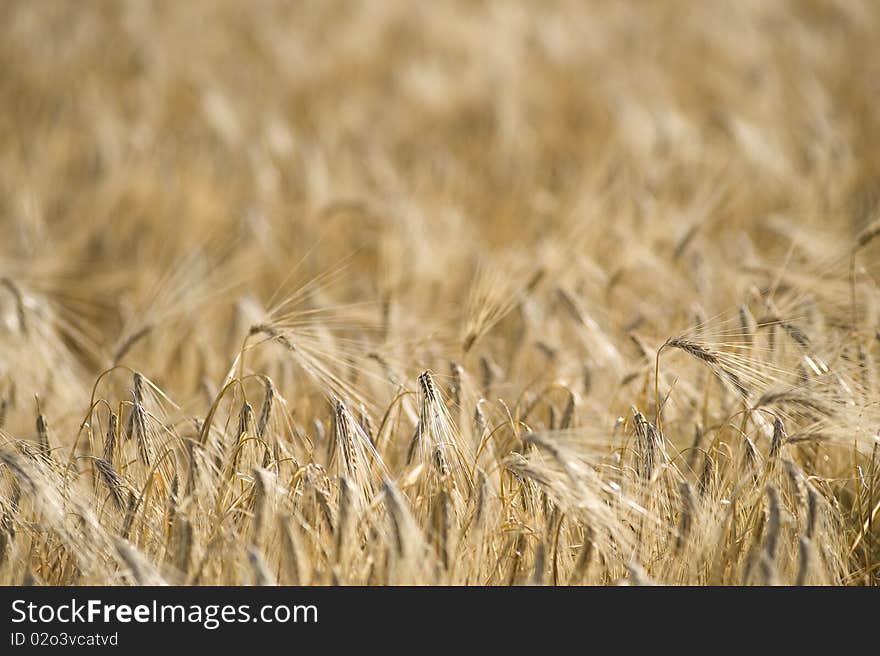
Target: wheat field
{"x": 474, "y": 293}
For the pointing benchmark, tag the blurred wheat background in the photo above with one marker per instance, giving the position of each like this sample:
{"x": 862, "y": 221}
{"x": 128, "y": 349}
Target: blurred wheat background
{"x": 466, "y": 292}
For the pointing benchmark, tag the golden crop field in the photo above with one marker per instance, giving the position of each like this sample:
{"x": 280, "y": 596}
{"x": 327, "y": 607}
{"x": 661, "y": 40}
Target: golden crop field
{"x": 477, "y": 292}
